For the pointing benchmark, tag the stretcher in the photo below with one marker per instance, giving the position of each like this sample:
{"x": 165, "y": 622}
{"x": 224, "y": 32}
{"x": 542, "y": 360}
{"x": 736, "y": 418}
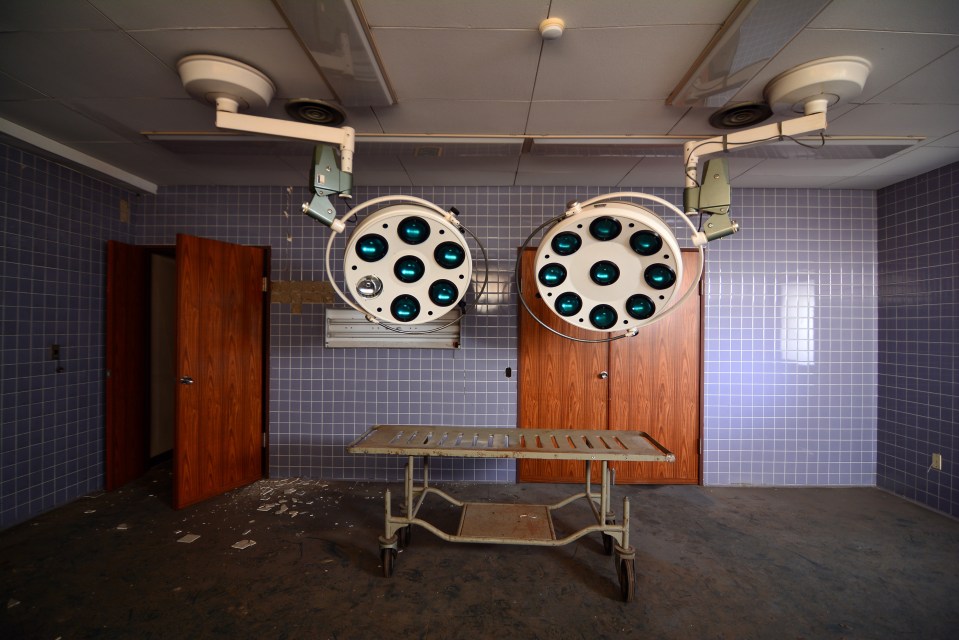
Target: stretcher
{"x": 514, "y": 524}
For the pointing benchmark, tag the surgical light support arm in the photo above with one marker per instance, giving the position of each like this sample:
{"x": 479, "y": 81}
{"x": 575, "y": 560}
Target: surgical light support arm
{"x": 713, "y": 196}
{"x": 328, "y": 176}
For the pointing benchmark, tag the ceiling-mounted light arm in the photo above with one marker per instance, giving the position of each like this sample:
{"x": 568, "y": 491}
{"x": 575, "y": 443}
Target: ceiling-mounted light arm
{"x": 712, "y": 195}
{"x": 329, "y": 175}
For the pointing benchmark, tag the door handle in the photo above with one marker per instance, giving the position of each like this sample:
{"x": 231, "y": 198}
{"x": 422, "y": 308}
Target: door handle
{"x": 186, "y": 380}
{"x": 602, "y": 375}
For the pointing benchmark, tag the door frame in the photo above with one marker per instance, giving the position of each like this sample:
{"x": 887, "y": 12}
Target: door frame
{"x": 114, "y": 427}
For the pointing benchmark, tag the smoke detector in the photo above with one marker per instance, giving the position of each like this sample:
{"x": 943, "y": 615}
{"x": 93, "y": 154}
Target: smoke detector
{"x": 814, "y": 86}
{"x": 229, "y": 84}
{"x": 552, "y": 28}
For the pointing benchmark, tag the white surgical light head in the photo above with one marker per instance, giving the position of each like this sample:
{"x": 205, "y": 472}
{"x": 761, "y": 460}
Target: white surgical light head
{"x": 405, "y": 264}
{"x": 610, "y": 267}
{"x": 408, "y": 264}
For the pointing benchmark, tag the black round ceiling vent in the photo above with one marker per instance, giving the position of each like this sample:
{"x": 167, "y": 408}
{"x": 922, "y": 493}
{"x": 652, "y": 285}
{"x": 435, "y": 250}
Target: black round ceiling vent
{"x": 315, "y": 112}
{"x": 740, "y": 115}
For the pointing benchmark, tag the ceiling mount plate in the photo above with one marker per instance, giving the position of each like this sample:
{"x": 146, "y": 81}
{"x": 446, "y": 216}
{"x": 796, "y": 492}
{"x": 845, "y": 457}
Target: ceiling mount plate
{"x": 814, "y": 86}
{"x": 230, "y": 84}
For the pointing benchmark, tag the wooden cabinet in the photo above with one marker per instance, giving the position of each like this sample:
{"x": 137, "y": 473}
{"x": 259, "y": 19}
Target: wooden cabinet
{"x": 653, "y": 384}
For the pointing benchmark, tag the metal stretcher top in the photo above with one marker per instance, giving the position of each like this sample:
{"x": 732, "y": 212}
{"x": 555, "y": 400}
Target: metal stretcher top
{"x": 481, "y": 442}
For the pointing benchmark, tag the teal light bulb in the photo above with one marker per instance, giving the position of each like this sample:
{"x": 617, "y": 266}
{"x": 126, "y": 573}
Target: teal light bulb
{"x": 566, "y": 243}
{"x": 568, "y": 304}
{"x": 640, "y": 307}
{"x": 659, "y": 276}
{"x": 646, "y": 242}
{"x": 603, "y": 316}
{"x": 413, "y": 230}
{"x": 405, "y": 308}
{"x": 604, "y": 273}
{"x": 552, "y": 275}
{"x": 409, "y": 269}
{"x": 449, "y": 255}
{"x": 605, "y": 228}
{"x": 371, "y": 247}
{"x": 443, "y": 293}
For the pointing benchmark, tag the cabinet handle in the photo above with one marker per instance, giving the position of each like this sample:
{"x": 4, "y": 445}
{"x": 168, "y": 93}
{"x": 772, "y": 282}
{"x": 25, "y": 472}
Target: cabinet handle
{"x": 186, "y": 380}
{"x": 602, "y": 375}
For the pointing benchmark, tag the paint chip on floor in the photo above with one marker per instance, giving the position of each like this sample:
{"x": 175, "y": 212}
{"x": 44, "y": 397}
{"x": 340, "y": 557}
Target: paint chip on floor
{"x": 123, "y": 527}
{"x": 243, "y": 544}
{"x": 188, "y": 538}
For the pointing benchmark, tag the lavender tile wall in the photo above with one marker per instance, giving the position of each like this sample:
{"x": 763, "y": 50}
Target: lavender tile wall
{"x": 55, "y": 224}
{"x": 768, "y": 420}
{"x": 781, "y": 411}
{"x": 918, "y": 408}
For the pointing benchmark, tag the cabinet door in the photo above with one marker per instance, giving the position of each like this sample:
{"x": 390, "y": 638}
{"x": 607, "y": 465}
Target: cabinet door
{"x": 656, "y": 386}
{"x": 558, "y": 382}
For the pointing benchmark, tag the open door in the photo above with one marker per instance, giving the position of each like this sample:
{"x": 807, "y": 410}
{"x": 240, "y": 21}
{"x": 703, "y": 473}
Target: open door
{"x": 219, "y": 414}
{"x": 127, "y": 360}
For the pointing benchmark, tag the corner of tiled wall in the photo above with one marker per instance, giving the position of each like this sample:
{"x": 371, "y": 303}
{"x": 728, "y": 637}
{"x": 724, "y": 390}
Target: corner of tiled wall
{"x": 55, "y": 225}
{"x": 918, "y": 405}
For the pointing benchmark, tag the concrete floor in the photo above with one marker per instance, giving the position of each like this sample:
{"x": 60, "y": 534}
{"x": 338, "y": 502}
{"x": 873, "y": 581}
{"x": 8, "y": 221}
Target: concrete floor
{"x": 712, "y": 563}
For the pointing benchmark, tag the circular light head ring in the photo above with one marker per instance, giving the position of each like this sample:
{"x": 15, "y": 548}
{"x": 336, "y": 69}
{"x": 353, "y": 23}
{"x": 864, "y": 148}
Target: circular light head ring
{"x": 625, "y": 269}
{"x": 419, "y": 257}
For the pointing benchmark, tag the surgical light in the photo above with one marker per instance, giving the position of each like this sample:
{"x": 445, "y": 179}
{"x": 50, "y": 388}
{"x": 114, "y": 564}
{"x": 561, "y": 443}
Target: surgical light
{"x": 405, "y": 264}
{"x": 608, "y": 265}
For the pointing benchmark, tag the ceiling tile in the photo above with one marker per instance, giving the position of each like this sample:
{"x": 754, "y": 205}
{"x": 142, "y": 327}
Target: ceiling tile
{"x": 85, "y": 64}
{"x": 379, "y": 171}
{"x": 461, "y": 171}
{"x": 916, "y": 161}
{"x": 930, "y": 120}
{"x": 56, "y": 121}
{"x": 951, "y": 140}
{"x": 12, "y": 89}
{"x": 631, "y": 63}
{"x": 602, "y": 117}
{"x": 540, "y": 170}
{"x": 489, "y": 14}
{"x": 867, "y": 182}
{"x": 275, "y": 52}
{"x": 137, "y": 115}
{"x": 799, "y": 167}
{"x": 51, "y": 15}
{"x": 451, "y": 116}
{"x": 172, "y": 14}
{"x": 668, "y": 172}
{"x": 920, "y": 16}
{"x": 142, "y": 159}
{"x": 933, "y": 83}
{"x": 894, "y": 56}
{"x": 476, "y": 64}
{"x": 628, "y": 13}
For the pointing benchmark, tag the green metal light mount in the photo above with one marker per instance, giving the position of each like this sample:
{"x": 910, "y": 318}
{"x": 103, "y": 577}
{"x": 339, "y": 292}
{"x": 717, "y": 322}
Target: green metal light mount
{"x": 713, "y": 198}
{"x": 327, "y": 179}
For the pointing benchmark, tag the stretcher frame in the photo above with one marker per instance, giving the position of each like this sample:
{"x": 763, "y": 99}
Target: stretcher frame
{"x": 493, "y": 523}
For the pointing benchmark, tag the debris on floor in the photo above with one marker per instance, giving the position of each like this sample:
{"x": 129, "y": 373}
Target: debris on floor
{"x": 243, "y": 544}
{"x": 123, "y": 527}
{"x": 188, "y": 538}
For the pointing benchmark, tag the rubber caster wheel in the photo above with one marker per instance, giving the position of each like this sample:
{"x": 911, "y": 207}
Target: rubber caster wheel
{"x": 626, "y": 571}
{"x": 388, "y": 559}
{"x": 406, "y": 535}
{"x": 607, "y": 544}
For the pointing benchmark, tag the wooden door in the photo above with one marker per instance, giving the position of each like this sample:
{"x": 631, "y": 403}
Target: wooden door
{"x": 219, "y": 430}
{"x": 656, "y": 387}
{"x": 127, "y": 361}
{"x": 558, "y": 382}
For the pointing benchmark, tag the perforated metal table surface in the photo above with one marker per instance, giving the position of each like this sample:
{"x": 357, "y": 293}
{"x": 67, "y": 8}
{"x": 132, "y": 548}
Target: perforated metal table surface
{"x": 492, "y": 442}
{"x": 492, "y": 523}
